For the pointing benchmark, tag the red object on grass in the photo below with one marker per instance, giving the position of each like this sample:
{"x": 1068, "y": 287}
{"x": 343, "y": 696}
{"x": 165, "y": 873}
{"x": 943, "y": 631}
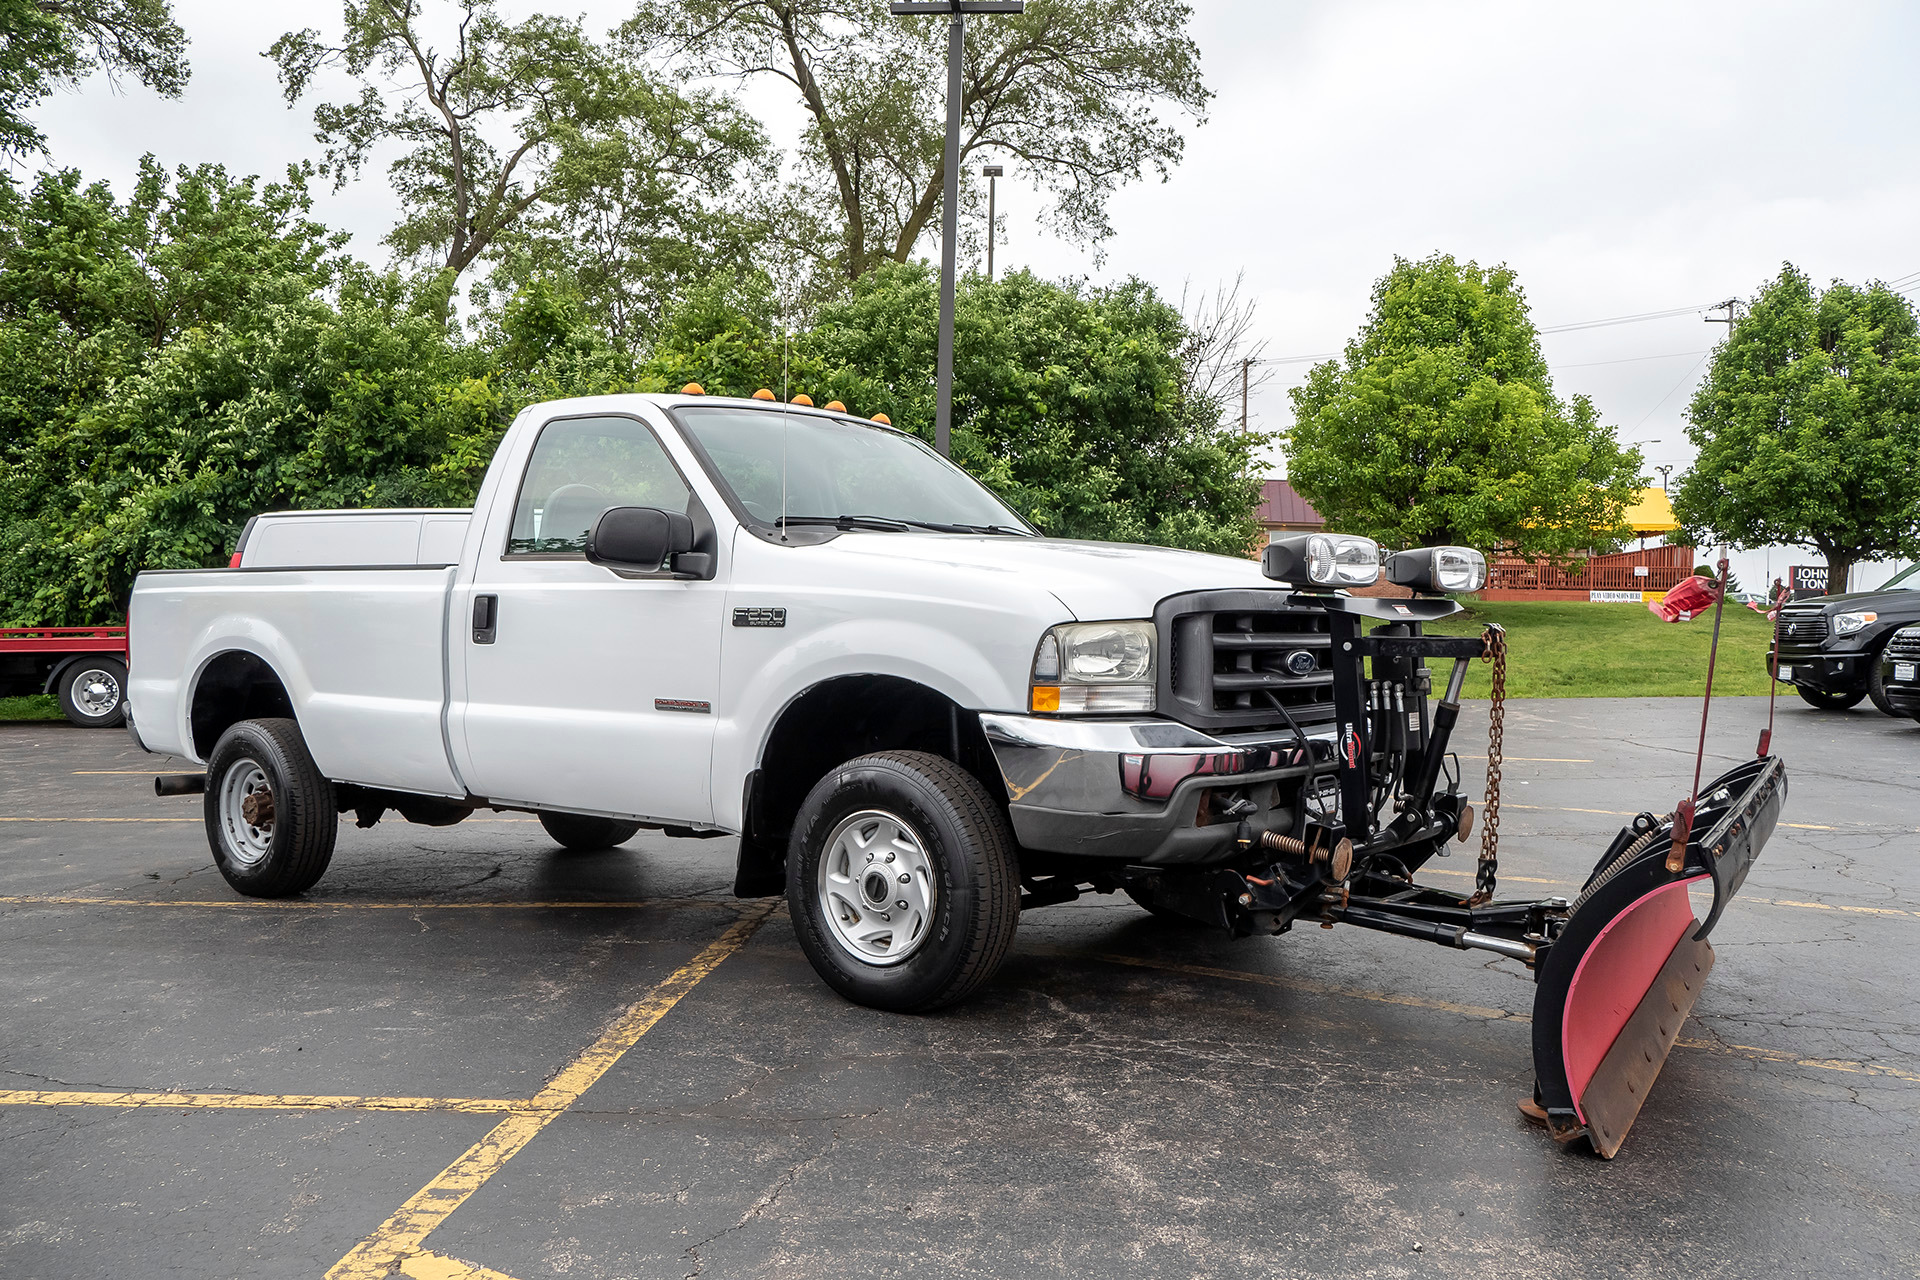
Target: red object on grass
{"x": 1685, "y": 601}
{"x": 1615, "y": 975}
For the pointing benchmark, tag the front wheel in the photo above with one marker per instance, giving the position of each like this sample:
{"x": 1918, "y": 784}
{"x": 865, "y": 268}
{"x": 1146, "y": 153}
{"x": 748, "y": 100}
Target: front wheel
{"x": 1828, "y": 700}
{"x": 93, "y": 693}
{"x": 271, "y": 817}
{"x": 1877, "y": 688}
{"x": 902, "y": 881}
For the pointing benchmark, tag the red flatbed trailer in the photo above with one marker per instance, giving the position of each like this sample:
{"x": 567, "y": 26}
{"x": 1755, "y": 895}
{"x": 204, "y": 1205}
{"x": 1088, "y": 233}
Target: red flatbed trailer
{"x": 85, "y": 667}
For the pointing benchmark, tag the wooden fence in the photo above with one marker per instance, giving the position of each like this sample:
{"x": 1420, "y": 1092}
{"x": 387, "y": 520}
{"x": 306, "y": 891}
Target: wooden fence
{"x": 1664, "y": 567}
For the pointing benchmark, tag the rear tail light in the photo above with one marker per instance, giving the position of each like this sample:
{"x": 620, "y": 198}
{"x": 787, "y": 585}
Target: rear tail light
{"x": 233, "y": 562}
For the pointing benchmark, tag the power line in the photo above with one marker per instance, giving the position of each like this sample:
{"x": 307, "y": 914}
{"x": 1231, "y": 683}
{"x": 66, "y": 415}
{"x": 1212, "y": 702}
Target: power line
{"x": 1589, "y": 364}
{"x": 1578, "y": 325}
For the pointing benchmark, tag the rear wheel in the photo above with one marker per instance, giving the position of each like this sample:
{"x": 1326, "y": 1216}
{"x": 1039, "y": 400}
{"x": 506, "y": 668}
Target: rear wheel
{"x": 577, "y": 831}
{"x": 93, "y": 693}
{"x": 902, "y": 881}
{"x": 270, "y": 813}
{"x": 1828, "y": 700}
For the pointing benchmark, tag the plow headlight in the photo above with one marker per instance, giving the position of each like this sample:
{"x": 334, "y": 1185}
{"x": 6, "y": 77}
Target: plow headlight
{"x": 1323, "y": 560}
{"x": 1443, "y": 569}
{"x": 1094, "y": 666}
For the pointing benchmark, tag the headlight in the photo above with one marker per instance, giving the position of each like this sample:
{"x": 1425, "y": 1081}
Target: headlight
{"x": 1845, "y": 624}
{"x": 1323, "y": 560}
{"x": 1453, "y": 569}
{"x": 1094, "y": 666}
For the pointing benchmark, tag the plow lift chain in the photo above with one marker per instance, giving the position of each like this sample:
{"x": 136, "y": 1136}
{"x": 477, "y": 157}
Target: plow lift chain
{"x": 1486, "y": 875}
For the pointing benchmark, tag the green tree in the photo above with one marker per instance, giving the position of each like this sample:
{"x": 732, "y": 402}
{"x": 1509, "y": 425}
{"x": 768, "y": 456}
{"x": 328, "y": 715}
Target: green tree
{"x": 586, "y": 140}
{"x": 1440, "y": 425}
{"x": 1073, "y": 90}
{"x": 1067, "y": 401}
{"x": 1808, "y": 427}
{"x": 51, "y": 44}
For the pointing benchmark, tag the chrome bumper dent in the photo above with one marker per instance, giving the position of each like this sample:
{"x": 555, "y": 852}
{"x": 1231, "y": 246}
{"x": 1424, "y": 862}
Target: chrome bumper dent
{"x": 1133, "y": 789}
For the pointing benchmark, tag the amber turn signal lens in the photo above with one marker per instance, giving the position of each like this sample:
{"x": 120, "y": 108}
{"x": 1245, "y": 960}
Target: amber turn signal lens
{"x": 763, "y": 394}
{"x": 1046, "y": 697}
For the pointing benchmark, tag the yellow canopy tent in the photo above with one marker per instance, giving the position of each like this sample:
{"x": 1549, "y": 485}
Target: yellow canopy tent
{"x": 1651, "y": 513}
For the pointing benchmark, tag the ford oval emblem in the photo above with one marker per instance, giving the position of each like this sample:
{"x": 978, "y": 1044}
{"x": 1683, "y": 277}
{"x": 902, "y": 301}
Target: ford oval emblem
{"x": 1301, "y": 662}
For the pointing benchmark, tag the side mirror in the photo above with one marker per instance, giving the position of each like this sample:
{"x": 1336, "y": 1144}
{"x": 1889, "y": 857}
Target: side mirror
{"x": 638, "y": 539}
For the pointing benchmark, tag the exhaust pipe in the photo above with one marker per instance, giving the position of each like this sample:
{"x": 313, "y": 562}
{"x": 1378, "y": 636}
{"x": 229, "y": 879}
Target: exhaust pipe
{"x": 180, "y": 784}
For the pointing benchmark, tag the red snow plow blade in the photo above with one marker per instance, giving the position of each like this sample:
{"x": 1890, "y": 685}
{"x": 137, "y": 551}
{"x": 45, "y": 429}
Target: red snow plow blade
{"x": 1626, "y": 967}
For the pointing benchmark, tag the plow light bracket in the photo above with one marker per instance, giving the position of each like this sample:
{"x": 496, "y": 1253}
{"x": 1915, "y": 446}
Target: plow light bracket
{"x": 1445, "y": 570}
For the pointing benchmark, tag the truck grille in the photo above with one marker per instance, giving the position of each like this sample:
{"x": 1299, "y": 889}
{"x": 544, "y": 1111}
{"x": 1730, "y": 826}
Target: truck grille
{"x": 1803, "y": 625}
{"x": 1231, "y": 657}
{"x": 1905, "y": 644}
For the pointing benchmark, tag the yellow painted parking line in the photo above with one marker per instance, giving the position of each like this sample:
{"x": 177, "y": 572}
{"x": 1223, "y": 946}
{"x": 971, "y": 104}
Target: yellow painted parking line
{"x": 1753, "y": 1052}
{"x": 1621, "y": 813}
{"x": 403, "y": 1235}
{"x": 1504, "y": 877}
{"x": 427, "y": 1265}
{"x": 302, "y": 904}
{"x": 250, "y": 1101}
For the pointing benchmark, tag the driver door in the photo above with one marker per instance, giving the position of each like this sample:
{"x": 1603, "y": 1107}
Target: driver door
{"x": 594, "y": 690}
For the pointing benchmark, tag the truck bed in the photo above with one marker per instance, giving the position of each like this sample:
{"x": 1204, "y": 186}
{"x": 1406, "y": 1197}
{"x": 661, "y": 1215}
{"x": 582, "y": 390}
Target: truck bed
{"x": 361, "y": 650}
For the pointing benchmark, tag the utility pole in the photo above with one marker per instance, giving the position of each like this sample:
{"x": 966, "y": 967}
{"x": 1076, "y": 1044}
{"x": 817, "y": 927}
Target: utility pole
{"x": 1246, "y": 365}
{"x": 1730, "y": 304}
{"x": 957, "y": 11}
{"x": 992, "y": 174}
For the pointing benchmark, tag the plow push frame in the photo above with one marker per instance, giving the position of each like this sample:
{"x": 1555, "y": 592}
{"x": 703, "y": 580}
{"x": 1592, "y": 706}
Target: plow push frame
{"x": 1617, "y": 968}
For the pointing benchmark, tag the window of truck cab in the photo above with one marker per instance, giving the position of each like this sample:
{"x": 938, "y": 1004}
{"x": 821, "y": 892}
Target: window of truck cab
{"x": 579, "y": 469}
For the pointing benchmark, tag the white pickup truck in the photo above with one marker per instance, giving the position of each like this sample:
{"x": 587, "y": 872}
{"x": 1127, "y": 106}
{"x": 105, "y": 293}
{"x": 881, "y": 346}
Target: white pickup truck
{"x": 794, "y": 627}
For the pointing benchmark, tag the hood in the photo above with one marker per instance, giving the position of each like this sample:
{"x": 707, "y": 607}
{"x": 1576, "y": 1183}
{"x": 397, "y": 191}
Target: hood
{"x": 1094, "y": 580}
{"x": 1899, "y": 601}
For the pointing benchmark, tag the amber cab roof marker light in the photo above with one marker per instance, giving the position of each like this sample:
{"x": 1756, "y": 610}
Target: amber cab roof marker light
{"x": 763, "y": 394}
{"x": 803, "y": 399}
{"x": 836, "y": 406}
{"x": 693, "y": 389}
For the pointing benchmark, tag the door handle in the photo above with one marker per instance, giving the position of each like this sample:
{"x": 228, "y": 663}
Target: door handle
{"x": 485, "y": 618}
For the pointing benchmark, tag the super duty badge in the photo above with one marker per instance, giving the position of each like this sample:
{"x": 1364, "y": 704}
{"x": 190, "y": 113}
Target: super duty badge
{"x": 759, "y": 617}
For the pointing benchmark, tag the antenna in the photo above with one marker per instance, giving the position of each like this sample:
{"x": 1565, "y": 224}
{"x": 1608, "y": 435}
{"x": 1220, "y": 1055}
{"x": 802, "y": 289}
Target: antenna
{"x": 786, "y": 408}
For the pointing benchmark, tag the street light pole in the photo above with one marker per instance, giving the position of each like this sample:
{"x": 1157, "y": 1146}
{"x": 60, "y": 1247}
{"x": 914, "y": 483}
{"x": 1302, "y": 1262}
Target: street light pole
{"x": 992, "y": 174}
{"x": 957, "y": 11}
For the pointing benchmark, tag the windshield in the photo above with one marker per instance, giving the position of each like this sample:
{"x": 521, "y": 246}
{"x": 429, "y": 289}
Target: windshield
{"x": 833, "y": 468}
{"x": 1908, "y": 579}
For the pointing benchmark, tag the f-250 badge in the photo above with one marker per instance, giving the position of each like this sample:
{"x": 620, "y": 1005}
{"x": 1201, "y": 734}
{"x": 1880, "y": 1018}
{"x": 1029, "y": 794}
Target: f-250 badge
{"x": 759, "y": 617}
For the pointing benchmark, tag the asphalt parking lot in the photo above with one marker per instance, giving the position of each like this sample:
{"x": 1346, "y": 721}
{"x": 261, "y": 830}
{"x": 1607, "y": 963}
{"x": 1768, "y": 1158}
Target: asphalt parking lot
{"x": 467, "y": 1053}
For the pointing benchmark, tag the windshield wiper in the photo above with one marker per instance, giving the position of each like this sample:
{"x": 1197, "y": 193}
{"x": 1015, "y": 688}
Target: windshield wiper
{"x": 886, "y": 524}
{"x": 996, "y": 528}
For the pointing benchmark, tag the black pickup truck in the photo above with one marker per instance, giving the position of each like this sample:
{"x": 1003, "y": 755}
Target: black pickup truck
{"x": 1900, "y": 672}
{"x": 1830, "y": 646}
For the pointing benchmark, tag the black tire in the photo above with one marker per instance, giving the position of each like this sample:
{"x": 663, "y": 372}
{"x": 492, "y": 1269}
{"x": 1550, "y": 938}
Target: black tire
{"x": 966, "y": 853}
{"x": 288, "y": 852}
{"x": 1877, "y": 689}
{"x": 579, "y": 832}
{"x": 93, "y": 692}
{"x": 1827, "y": 700}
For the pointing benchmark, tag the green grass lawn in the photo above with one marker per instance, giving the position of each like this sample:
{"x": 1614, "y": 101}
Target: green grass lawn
{"x": 37, "y": 707}
{"x": 1576, "y": 650}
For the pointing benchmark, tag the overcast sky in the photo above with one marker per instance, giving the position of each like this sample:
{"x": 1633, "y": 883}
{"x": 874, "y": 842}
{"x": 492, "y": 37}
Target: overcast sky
{"x": 1621, "y": 158}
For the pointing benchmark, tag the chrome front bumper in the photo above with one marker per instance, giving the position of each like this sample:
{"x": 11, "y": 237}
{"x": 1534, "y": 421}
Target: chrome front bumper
{"x": 1141, "y": 790}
